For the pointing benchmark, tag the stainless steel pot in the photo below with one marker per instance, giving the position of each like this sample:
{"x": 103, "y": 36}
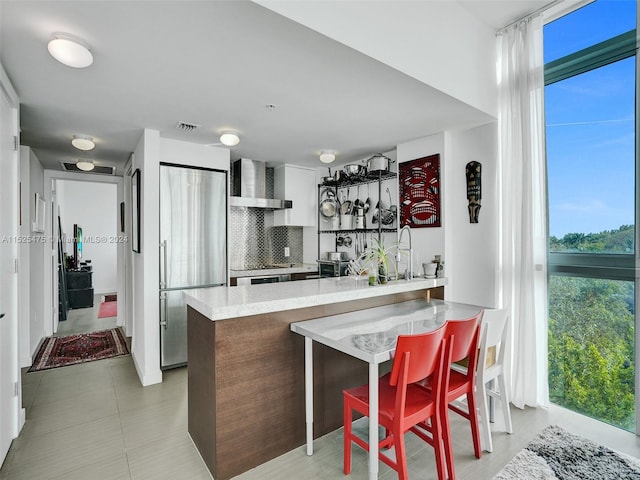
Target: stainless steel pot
{"x": 378, "y": 163}
{"x": 337, "y": 256}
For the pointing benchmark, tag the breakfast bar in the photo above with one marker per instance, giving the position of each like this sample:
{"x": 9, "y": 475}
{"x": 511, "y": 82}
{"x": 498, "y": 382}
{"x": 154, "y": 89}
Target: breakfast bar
{"x": 246, "y": 368}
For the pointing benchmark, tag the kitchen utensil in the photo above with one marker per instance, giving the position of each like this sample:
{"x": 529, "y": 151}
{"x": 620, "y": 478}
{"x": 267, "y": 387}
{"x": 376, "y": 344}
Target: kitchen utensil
{"x": 339, "y": 176}
{"x": 328, "y": 206}
{"x": 347, "y": 241}
{"x": 378, "y": 163}
{"x": 367, "y": 203}
{"x": 354, "y": 171}
{"x": 346, "y": 222}
{"x": 347, "y": 205}
{"x": 333, "y": 256}
{"x": 387, "y": 215}
{"x": 328, "y": 180}
{"x": 340, "y": 241}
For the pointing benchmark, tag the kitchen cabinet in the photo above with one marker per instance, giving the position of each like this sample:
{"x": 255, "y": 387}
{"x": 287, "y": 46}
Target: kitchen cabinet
{"x": 296, "y": 184}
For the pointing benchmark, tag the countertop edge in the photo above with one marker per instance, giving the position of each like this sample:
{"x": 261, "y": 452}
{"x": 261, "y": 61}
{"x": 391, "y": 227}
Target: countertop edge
{"x": 221, "y": 310}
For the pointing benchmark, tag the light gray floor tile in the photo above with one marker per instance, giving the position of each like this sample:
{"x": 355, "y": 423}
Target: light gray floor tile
{"x": 113, "y": 468}
{"x": 170, "y": 458}
{"x": 53, "y": 454}
{"x": 155, "y": 422}
{"x": 82, "y": 408}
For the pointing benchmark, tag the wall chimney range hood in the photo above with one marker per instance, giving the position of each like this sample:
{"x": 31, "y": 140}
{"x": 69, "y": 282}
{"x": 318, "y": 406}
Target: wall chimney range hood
{"x": 249, "y": 186}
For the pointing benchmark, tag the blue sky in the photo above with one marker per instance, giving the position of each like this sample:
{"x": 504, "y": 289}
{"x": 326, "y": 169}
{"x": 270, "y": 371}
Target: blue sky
{"x": 590, "y": 125}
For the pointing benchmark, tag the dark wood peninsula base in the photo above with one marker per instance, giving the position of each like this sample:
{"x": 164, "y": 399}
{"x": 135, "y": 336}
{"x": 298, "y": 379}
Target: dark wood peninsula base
{"x": 246, "y": 383}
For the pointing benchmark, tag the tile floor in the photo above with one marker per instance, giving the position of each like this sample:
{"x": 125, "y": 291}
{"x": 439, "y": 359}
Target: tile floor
{"x": 94, "y": 421}
{"x": 84, "y": 320}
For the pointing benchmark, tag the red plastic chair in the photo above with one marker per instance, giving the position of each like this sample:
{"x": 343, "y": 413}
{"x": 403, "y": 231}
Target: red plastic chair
{"x": 402, "y": 403}
{"x": 465, "y": 336}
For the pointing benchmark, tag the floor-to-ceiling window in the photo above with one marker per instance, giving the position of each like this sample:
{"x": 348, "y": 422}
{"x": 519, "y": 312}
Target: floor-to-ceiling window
{"x": 590, "y": 104}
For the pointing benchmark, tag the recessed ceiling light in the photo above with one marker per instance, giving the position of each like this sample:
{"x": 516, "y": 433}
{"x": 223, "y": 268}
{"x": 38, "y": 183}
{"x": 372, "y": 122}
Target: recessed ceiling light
{"x": 83, "y": 142}
{"x": 327, "y": 157}
{"x": 85, "y": 165}
{"x": 229, "y": 139}
{"x": 70, "y": 50}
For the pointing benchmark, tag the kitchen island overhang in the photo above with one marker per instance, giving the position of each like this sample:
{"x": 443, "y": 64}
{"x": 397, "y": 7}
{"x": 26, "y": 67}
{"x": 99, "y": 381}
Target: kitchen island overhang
{"x": 246, "y": 368}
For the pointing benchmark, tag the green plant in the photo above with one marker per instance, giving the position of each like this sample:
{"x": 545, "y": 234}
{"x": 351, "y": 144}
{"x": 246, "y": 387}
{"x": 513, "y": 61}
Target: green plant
{"x": 378, "y": 255}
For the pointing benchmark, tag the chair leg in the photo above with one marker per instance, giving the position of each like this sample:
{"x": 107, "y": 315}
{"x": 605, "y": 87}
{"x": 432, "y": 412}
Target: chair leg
{"x": 438, "y": 447}
{"x": 347, "y": 437}
{"x": 446, "y": 440}
{"x": 401, "y": 455}
{"x": 504, "y": 398}
{"x": 484, "y": 416}
{"x": 473, "y": 418}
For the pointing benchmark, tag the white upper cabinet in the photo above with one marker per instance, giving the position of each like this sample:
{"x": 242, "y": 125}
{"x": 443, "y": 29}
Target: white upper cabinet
{"x": 297, "y": 184}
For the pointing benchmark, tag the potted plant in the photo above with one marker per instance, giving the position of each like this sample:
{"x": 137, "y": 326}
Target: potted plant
{"x": 379, "y": 258}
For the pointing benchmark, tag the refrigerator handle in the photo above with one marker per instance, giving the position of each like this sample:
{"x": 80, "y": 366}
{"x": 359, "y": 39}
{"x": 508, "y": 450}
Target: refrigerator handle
{"x": 164, "y": 318}
{"x": 163, "y": 265}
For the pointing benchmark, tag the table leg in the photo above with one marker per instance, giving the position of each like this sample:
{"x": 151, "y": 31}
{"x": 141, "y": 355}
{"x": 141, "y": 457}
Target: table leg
{"x": 308, "y": 391}
{"x": 373, "y": 421}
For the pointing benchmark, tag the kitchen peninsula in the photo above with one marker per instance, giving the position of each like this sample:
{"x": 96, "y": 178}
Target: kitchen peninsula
{"x": 246, "y": 397}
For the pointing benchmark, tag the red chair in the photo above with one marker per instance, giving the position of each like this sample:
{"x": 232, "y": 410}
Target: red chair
{"x": 465, "y": 336}
{"x": 402, "y": 403}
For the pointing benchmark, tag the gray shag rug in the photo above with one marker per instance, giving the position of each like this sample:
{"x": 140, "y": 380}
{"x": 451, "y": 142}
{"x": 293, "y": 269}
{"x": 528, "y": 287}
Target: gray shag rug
{"x": 556, "y": 454}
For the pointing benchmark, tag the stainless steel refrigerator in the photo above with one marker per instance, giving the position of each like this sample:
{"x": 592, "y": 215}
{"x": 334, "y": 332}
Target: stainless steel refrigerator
{"x": 193, "y": 248}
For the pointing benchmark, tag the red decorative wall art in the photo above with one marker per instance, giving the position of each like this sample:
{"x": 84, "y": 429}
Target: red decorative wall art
{"x": 420, "y": 192}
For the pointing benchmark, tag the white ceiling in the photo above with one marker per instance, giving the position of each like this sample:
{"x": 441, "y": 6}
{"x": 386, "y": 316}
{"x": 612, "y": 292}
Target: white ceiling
{"x": 216, "y": 64}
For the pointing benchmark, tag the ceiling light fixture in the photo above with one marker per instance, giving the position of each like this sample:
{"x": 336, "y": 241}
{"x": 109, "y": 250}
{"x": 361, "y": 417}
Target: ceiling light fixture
{"x": 83, "y": 142}
{"x": 229, "y": 139}
{"x": 85, "y": 165}
{"x": 70, "y": 50}
{"x": 327, "y": 157}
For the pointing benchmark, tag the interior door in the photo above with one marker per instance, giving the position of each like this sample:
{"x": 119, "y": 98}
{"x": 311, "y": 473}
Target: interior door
{"x": 8, "y": 278}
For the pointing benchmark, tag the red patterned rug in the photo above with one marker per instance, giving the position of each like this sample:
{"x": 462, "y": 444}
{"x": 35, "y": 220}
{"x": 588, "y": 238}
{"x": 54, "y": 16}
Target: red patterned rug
{"x": 73, "y": 349}
{"x": 108, "y": 309}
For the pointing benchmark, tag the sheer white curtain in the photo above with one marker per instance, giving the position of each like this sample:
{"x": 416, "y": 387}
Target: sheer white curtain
{"x": 523, "y": 204}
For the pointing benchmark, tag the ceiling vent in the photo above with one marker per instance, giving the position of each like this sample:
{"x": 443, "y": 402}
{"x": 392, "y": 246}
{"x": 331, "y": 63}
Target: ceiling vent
{"x": 100, "y": 169}
{"x": 186, "y": 127}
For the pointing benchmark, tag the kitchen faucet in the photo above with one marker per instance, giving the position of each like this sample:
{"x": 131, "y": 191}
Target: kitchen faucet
{"x": 409, "y": 271}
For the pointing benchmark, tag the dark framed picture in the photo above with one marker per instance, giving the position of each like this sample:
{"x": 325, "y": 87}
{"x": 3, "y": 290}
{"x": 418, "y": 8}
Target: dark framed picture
{"x": 420, "y": 192}
{"x": 121, "y": 217}
{"x": 135, "y": 211}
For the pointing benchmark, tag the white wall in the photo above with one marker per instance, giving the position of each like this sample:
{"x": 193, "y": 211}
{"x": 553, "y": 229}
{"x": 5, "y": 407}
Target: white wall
{"x": 437, "y": 42}
{"x": 469, "y": 251}
{"x": 95, "y": 208}
{"x": 31, "y": 258}
{"x": 150, "y": 151}
{"x": 428, "y": 241}
{"x": 472, "y": 248}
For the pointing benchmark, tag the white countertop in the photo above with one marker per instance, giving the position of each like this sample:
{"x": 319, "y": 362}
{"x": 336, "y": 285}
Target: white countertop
{"x": 371, "y": 334}
{"x": 263, "y": 272}
{"x": 219, "y": 303}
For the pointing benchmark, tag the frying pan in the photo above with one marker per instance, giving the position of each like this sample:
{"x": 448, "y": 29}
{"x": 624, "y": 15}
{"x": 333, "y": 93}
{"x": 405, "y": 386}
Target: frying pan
{"x": 328, "y": 207}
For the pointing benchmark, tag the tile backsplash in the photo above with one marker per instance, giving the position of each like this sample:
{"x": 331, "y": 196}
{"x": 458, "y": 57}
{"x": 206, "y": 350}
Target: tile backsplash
{"x": 255, "y": 242}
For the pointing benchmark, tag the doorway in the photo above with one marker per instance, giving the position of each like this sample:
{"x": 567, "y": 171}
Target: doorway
{"x": 89, "y": 233}
{"x": 93, "y": 205}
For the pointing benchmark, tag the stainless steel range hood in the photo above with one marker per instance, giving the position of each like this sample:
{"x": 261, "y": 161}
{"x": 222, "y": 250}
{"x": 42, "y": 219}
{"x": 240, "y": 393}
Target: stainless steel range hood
{"x": 249, "y": 186}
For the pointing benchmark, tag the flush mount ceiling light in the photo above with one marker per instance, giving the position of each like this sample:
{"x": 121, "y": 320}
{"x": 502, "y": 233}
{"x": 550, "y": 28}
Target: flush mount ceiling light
{"x": 70, "y": 50}
{"x": 327, "y": 157}
{"x": 83, "y": 142}
{"x": 229, "y": 139}
{"x": 85, "y": 165}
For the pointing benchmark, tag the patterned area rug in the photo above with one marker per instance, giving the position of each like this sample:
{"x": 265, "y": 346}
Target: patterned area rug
{"x": 556, "y": 454}
{"x": 73, "y": 349}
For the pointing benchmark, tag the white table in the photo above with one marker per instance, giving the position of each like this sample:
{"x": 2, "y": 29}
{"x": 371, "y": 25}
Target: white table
{"x": 371, "y": 335}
